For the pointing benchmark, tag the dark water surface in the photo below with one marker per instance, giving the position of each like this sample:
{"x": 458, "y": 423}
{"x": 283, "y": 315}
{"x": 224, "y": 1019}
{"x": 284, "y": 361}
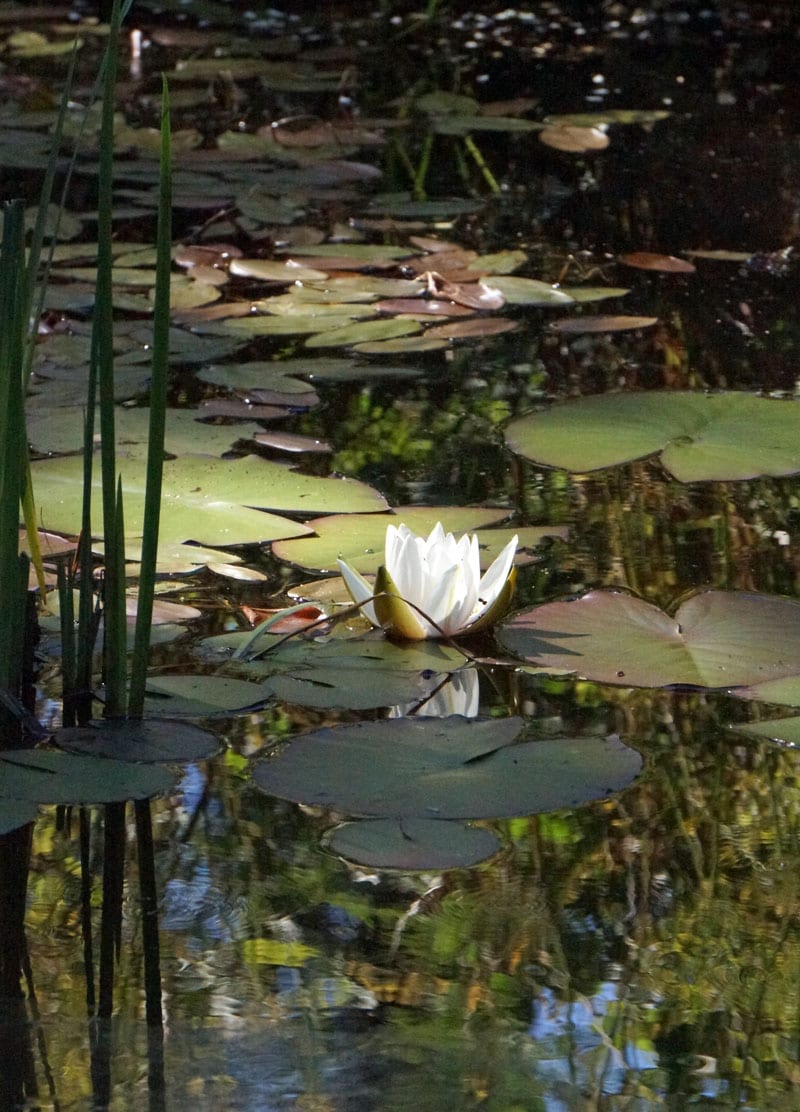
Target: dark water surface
{"x": 632, "y": 954}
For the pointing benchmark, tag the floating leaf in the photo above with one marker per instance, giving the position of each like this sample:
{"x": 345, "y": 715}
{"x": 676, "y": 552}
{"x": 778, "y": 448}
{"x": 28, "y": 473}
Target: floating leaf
{"x": 360, "y": 540}
{"x": 201, "y": 696}
{"x": 463, "y": 125}
{"x": 15, "y": 813}
{"x": 529, "y": 291}
{"x": 472, "y": 329}
{"x": 567, "y": 137}
{"x": 147, "y": 741}
{"x": 274, "y": 270}
{"x": 49, "y": 776}
{"x": 577, "y": 325}
{"x": 411, "y": 844}
{"x": 700, "y": 437}
{"x": 402, "y": 344}
{"x": 785, "y": 730}
{"x": 593, "y": 293}
{"x": 364, "y": 332}
{"x": 647, "y": 260}
{"x": 448, "y": 768}
{"x": 204, "y": 499}
{"x": 717, "y": 639}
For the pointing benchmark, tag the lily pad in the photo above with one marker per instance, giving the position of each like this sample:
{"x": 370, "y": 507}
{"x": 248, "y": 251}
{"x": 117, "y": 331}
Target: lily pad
{"x": 362, "y": 332}
{"x": 15, "y": 813}
{"x": 48, "y": 776}
{"x": 529, "y": 291}
{"x": 358, "y": 673}
{"x": 146, "y": 741}
{"x": 412, "y": 844}
{"x": 717, "y": 639}
{"x": 205, "y": 499}
{"x": 785, "y": 730}
{"x": 360, "y": 540}
{"x": 201, "y": 696}
{"x": 448, "y": 768}
{"x": 700, "y": 437}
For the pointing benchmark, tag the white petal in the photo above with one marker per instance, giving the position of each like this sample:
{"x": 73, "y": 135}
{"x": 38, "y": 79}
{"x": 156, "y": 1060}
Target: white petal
{"x": 495, "y": 578}
{"x": 359, "y": 590}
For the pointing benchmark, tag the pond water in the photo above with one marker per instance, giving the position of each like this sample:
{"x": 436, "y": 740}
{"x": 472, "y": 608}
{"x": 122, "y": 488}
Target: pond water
{"x": 639, "y": 950}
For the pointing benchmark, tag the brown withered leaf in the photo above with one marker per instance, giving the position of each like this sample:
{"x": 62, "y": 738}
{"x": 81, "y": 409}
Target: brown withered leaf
{"x": 574, "y": 139}
{"x": 601, "y": 324}
{"x": 649, "y": 260}
{"x": 472, "y": 329}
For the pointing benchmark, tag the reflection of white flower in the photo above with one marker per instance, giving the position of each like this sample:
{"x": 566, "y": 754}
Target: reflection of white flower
{"x": 456, "y": 693}
{"x": 433, "y": 587}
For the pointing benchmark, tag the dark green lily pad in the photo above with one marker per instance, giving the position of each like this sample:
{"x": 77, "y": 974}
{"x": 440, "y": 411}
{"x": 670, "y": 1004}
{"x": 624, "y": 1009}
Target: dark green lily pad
{"x": 15, "y": 813}
{"x": 146, "y": 741}
{"x": 201, "y": 696}
{"x": 49, "y": 776}
{"x": 446, "y": 768}
{"x": 717, "y": 639}
{"x": 699, "y": 436}
{"x": 412, "y": 844}
{"x": 355, "y": 673}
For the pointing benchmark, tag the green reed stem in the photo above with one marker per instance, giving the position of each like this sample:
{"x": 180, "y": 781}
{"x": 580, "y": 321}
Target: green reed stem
{"x": 115, "y": 636}
{"x": 158, "y": 408}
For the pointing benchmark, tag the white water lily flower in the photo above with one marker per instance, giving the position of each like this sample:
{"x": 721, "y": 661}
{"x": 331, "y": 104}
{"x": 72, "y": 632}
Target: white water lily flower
{"x": 433, "y": 588}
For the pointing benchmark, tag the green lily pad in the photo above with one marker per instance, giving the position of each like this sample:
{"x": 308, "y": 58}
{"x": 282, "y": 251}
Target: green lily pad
{"x": 700, "y": 437}
{"x": 205, "y": 499}
{"x": 15, "y": 813}
{"x": 448, "y": 768}
{"x": 47, "y": 776}
{"x": 363, "y": 332}
{"x": 145, "y": 741}
{"x": 463, "y": 125}
{"x": 785, "y": 692}
{"x": 360, "y": 540}
{"x": 61, "y": 430}
{"x": 594, "y": 293}
{"x": 529, "y": 291}
{"x": 785, "y": 730}
{"x": 412, "y": 844}
{"x": 717, "y": 639}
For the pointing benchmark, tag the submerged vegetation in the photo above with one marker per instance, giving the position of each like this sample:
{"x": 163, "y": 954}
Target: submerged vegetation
{"x": 320, "y": 287}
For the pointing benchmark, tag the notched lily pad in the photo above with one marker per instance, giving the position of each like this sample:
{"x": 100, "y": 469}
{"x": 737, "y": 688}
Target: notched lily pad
{"x": 700, "y": 437}
{"x": 717, "y": 639}
{"x": 448, "y": 768}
